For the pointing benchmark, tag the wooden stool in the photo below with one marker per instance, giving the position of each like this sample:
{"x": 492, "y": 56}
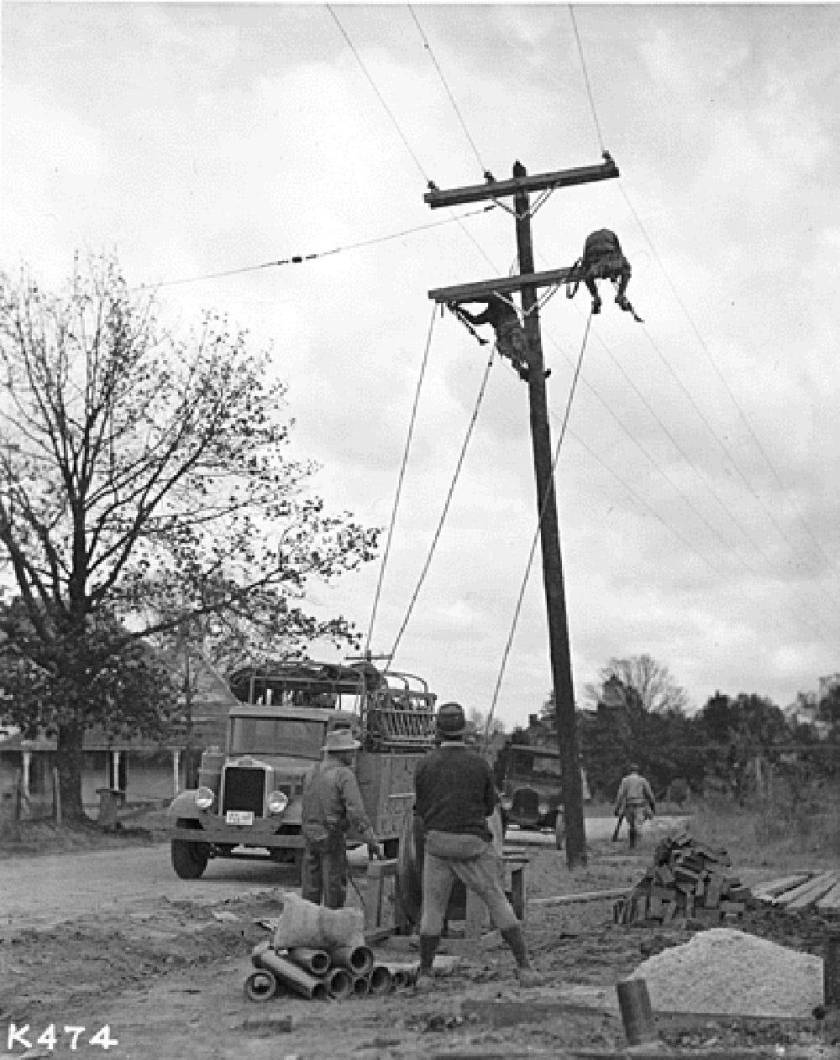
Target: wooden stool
{"x": 513, "y": 867}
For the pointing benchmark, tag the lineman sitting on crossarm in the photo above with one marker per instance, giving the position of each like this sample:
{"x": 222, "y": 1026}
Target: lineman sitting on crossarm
{"x": 603, "y": 259}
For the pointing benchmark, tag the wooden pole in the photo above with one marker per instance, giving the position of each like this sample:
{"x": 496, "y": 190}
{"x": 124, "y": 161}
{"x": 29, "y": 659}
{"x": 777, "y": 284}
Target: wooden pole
{"x": 555, "y": 599}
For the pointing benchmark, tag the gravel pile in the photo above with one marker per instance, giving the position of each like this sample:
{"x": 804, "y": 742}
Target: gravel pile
{"x": 721, "y": 970}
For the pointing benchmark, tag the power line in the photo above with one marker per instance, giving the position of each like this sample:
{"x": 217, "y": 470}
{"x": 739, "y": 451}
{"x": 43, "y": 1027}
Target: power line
{"x": 379, "y": 95}
{"x": 448, "y": 90}
{"x": 400, "y": 478}
{"x": 586, "y": 79}
{"x": 299, "y": 259}
{"x": 436, "y": 536}
{"x": 518, "y": 608}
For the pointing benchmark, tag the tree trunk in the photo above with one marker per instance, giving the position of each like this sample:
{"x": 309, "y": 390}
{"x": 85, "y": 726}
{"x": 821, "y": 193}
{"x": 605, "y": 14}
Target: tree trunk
{"x": 70, "y": 763}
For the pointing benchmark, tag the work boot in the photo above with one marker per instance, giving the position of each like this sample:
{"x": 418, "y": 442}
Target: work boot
{"x": 523, "y": 374}
{"x": 424, "y": 981}
{"x": 529, "y": 977}
{"x": 596, "y": 306}
{"x": 622, "y": 302}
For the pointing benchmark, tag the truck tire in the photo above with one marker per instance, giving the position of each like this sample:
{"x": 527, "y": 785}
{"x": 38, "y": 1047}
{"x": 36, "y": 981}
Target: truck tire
{"x": 189, "y": 860}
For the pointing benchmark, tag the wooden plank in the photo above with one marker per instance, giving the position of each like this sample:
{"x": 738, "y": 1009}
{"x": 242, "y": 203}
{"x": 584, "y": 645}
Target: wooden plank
{"x": 508, "y": 1013}
{"x": 831, "y": 900}
{"x": 801, "y": 896}
{"x": 480, "y": 290}
{"x": 498, "y": 189}
{"x": 583, "y": 896}
{"x": 820, "y": 886}
{"x": 775, "y": 887}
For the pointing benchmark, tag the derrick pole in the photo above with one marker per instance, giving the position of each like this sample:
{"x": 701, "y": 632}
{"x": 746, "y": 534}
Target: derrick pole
{"x": 527, "y": 283}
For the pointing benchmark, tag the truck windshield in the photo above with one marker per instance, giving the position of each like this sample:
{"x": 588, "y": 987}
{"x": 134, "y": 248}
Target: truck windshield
{"x": 277, "y": 736}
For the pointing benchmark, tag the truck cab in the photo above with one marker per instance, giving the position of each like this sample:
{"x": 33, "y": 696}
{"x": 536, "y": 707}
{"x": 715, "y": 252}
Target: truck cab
{"x": 248, "y": 800}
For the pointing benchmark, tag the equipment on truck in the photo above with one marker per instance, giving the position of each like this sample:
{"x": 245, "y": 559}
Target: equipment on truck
{"x": 248, "y": 800}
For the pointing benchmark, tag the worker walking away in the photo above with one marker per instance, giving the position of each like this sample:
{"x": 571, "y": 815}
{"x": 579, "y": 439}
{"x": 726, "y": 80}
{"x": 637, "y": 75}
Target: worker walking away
{"x": 332, "y": 803}
{"x": 634, "y": 802}
{"x": 510, "y": 337}
{"x": 603, "y": 259}
{"x": 454, "y": 796}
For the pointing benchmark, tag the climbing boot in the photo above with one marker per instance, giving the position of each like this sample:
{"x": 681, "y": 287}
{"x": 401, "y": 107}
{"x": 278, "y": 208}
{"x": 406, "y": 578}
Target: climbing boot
{"x": 425, "y": 979}
{"x": 596, "y": 306}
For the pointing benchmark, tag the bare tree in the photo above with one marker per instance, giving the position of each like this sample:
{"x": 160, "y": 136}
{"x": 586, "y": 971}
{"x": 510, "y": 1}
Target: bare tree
{"x": 144, "y": 482}
{"x": 651, "y": 681}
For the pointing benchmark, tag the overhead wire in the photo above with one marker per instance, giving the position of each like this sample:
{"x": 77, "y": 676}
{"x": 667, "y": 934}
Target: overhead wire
{"x": 684, "y": 309}
{"x": 298, "y": 259}
{"x": 742, "y": 415}
{"x": 447, "y": 89}
{"x": 400, "y": 479}
{"x": 543, "y": 504}
{"x": 446, "y": 504}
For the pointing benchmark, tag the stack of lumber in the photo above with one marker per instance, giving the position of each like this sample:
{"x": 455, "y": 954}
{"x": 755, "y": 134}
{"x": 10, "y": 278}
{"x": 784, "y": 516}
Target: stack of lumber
{"x": 802, "y": 890}
{"x": 689, "y": 880}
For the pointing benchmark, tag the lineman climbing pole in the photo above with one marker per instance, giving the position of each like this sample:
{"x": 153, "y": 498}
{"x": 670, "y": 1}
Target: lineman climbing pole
{"x": 527, "y": 282}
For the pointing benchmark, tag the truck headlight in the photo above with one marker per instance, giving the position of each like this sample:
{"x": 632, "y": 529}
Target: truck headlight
{"x": 277, "y": 801}
{"x": 507, "y": 802}
{"x": 204, "y": 798}
{"x": 543, "y": 808}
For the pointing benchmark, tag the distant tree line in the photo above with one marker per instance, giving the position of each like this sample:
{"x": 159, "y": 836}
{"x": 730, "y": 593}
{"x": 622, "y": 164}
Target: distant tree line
{"x": 637, "y": 715}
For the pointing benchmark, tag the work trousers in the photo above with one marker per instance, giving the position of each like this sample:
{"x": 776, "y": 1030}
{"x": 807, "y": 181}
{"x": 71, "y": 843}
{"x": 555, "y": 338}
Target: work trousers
{"x": 324, "y": 877}
{"x": 483, "y": 875}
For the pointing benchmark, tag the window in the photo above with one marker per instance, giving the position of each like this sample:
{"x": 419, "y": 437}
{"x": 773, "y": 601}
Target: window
{"x": 277, "y": 736}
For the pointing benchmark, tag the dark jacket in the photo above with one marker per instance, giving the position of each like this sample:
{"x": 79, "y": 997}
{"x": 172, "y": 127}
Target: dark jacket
{"x": 454, "y": 791}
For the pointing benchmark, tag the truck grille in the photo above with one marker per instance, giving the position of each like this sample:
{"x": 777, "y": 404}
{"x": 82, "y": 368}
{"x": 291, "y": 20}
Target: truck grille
{"x": 244, "y": 789}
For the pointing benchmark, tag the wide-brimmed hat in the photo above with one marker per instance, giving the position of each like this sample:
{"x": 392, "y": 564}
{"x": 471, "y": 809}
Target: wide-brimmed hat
{"x": 340, "y": 740}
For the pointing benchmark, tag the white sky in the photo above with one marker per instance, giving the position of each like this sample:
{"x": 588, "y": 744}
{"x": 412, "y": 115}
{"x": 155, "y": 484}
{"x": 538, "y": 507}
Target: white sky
{"x": 698, "y": 486}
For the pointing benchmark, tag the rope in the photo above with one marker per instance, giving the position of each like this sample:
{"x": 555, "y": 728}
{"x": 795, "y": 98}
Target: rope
{"x": 586, "y": 80}
{"x": 400, "y": 479}
{"x": 428, "y": 48}
{"x": 527, "y": 574}
{"x": 447, "y": 502}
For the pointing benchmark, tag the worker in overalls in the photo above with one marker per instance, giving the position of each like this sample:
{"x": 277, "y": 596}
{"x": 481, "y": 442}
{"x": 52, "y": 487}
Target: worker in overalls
{"x": 332, "y": 803}
{"x": 510, "y": 338}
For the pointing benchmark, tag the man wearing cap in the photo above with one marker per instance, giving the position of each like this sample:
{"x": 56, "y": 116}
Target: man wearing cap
{"x": 332, "y": 803}
{"x": 454, "y": 796}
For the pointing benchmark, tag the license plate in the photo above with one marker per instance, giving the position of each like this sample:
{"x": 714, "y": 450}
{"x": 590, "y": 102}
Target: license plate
{"x": 239, "y": 817}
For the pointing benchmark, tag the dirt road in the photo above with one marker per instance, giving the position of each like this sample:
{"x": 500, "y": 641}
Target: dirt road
{"x": 159, "y": 962}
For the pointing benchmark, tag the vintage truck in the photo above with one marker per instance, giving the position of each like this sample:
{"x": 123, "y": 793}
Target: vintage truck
{"x": 248, "y": 800}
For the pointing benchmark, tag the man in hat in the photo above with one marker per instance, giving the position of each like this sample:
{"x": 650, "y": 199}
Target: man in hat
{"x": 454, "y": 796}
{"x": 332, "y": 803}
{"x": 634, "y": 802}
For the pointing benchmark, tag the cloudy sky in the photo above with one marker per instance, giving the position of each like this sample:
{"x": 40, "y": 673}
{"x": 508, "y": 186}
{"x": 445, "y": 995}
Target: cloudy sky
{"x": 698, "y": 482}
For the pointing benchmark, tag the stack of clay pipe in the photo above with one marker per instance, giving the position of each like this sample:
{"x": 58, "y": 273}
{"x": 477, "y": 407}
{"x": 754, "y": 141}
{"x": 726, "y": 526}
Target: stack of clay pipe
{"x": 318, "y": 975}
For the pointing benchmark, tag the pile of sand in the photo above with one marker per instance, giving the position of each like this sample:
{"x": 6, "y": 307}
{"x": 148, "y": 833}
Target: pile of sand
{"x": 721, "y": 970}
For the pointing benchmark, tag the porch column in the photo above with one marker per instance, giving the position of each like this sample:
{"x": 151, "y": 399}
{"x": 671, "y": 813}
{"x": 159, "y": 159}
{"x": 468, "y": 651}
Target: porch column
{"x": 115, "y": 767}
{"x": 26, "y": 763}
{"x": 176, "y": 771}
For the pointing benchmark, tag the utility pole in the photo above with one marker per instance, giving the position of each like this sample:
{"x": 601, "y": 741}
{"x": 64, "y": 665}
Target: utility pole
{"x": 527, "y": 283}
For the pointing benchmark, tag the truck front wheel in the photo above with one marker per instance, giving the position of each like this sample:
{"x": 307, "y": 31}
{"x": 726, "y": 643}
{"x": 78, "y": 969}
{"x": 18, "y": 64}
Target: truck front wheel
{"x": 189, "y": 860}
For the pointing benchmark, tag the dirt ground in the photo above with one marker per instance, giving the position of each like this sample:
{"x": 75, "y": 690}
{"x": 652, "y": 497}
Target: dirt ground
{"x": 166, "y": 978}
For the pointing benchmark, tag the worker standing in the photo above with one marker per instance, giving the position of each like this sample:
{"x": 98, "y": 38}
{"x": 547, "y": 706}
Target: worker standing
{"x": 454, "y": 796}
{"x": 633, "y": 801}
{"x": 332, "y": 803}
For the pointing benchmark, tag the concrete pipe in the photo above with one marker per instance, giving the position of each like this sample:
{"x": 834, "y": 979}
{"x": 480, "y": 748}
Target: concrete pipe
{"x": 361, "y": 986}
{"x": 259, "y": 949}
{"x": 401, "y": 979}
{"x": 296, "y": 979}
{"x": 380, "y": 980}
{"x": 359, "y": 959}
{"x": 339, "y": 983}
{"x": 316, "y": 962}
{"x": 261, "y": 985}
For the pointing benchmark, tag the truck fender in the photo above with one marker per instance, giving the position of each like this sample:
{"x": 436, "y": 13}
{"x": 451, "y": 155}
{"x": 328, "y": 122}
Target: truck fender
{"x": 183, "y": 805}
